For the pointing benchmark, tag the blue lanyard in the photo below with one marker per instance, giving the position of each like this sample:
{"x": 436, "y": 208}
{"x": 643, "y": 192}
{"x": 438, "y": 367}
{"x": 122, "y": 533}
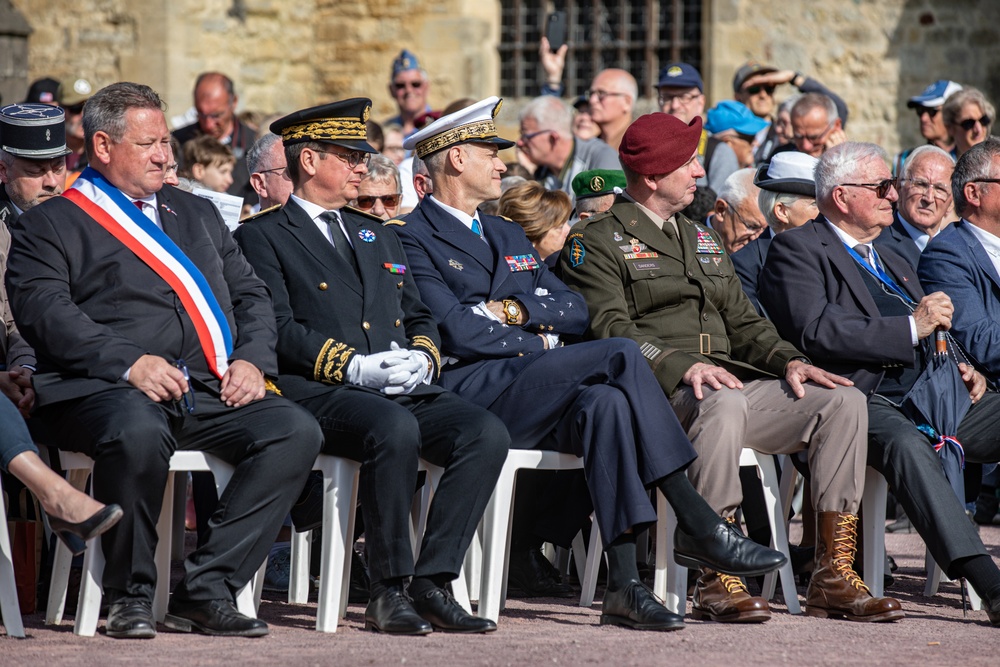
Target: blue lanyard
{"x": 879, "y": 273}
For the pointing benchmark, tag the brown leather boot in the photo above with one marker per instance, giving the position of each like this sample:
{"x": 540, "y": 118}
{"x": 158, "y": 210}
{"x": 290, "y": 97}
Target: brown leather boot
{"x": 724, "y": 598}
{"x": 836, "y": 591}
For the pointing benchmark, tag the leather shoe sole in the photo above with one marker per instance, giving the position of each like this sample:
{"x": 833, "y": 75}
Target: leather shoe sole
{"x": 884, "y": 617}
{"x": 751, "y": 616}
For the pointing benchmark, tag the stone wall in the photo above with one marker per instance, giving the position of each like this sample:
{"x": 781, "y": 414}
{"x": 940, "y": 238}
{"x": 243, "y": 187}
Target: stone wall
{"x": 287, "y": 55}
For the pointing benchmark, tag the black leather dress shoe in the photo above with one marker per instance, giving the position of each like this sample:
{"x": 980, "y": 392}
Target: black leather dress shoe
{"x": 212, "y": 617}
{"x": 75, "y": 535}
{"x": 131, "y": 619}
{"x": 360, "y": 585}
{"x": 635, "y": 606}
{"x": 307, "y": 513}
{"x": 440, "y": 609}
{"x": 531, "y": 575}
{"x": 392, "y": 612}
{"x": 726, "y": 550}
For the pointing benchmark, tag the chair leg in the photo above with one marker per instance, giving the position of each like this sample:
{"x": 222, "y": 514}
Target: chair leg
{"x": 779, "y": 535}
{"x": 298, "y": 585}
{"x": 873, "y": 530}
{"x": 8, "y": 586}
{"x": 339, "y": 488}
{"x": 352, "y": 517}
{"x": 496, "y": 540}
{"x": 595, "y": 554}
{"x": 474, "y": 563}
{"x": 179, "y": 514}
{"x": 164, "y": 532}
{"x": 88, "y": 608}
{"x": 63, "y": 561}
{"x": 670, "y": 582}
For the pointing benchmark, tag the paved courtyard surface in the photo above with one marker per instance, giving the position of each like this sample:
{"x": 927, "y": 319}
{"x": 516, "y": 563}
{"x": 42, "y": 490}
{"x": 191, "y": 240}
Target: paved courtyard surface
{"x": 551, "y": 632}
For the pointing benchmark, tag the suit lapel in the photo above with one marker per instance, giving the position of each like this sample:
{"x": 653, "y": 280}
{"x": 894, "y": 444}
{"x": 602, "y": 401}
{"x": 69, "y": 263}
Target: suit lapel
{"x": 845, "y": 265}
{"x": 901, "y": 270}
{"x": 453, "y": 233}
{"x": 366, "y": 253}
{"x": 301, "y": 226}
{"x": 168, "y": 218}
{"x": 979, "y": 252}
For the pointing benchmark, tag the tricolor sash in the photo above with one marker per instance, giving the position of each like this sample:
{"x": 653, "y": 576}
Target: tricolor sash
{"x": 116, "y": 213}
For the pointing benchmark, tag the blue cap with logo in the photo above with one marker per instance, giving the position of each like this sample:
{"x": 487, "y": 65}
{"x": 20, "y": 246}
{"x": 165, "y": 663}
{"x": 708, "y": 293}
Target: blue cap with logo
{"x": 404, "y": 62}
{"x": 680, "y": 75}
{"x": 935, "y": 94}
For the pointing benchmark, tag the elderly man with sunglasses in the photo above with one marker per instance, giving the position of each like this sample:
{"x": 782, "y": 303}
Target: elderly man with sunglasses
{"x": 859, "y": 310}
{"x": 409, "y": 87}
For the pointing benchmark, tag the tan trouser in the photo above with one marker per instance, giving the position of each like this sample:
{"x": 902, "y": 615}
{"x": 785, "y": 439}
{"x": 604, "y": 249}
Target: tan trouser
{"x": 831, "y": 424}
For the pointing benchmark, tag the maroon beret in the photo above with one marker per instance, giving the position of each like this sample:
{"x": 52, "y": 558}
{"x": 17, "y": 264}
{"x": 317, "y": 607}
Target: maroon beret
{"x": 659, "y": 143}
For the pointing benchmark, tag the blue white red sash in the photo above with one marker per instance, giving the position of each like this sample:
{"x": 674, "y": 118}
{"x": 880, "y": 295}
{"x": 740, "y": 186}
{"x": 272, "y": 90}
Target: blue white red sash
{"x": 116, "y": 213}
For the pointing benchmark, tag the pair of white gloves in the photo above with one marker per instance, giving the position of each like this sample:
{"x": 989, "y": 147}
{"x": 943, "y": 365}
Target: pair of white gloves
{"x": 398, "y": 371}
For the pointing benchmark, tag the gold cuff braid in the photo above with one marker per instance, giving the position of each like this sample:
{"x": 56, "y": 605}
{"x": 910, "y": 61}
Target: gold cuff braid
{"x": 428, "y": 345}
{"x": 271, "y": 387}
{"x": 331, "y": 363}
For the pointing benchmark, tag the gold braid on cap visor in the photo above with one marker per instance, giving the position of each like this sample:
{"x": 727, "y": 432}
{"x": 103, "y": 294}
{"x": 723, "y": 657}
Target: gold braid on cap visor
{"x": 482, "y": 129}
{"x": 331, "y": 128}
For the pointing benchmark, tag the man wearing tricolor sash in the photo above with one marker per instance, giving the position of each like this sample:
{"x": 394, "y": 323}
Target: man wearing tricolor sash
{"x": 153, "y": 335}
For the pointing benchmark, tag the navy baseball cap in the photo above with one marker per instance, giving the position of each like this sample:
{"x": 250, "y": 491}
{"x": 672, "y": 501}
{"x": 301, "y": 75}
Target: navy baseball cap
{"x": 935, "y": 94}
{"x": 680, "y": 75}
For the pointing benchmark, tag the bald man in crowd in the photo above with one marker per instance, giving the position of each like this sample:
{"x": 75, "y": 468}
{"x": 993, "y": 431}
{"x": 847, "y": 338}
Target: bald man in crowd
{"x": 613, "y": 94}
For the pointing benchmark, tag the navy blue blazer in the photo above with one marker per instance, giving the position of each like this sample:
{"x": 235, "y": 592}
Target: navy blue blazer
{"x": 749, "y": 262}
{"x": 818, "y": 301}
{"x": 899, "y": 240}
{"x": 956, "y": 263}
{"x": 454, "y": 271}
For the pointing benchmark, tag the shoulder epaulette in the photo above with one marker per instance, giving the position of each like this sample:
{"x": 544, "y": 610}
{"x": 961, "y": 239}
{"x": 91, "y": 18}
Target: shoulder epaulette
{"x": 263, "y": 211}
{"x": 399, "y": 222}
{"x": 365, "y": 214}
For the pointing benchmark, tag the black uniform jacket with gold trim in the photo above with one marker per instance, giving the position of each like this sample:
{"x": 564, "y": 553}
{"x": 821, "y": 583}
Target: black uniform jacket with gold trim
{"x": 681, "y": 307}
{"x": 325, "y": 313}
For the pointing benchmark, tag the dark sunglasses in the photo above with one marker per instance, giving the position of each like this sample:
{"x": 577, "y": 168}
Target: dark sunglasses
{"x": 767, "y": 88}
{"x": 970, "y": 123}
{"x": 365, "y": 202}
{"x": 930, "y": 111}
{"x": 415, "y": 85}
{"x": 881, "y": 188}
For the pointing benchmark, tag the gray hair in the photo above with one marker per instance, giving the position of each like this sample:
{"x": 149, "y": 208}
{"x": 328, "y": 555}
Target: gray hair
{"x": 839, "y": 164}
{"x": 259, "y": 155}
{"x": 975, "y": 164}
{"x": 419, "y": 166}
{"x": 383, "y": 170}
{"x": 787, "y": 105}
{"x": 767, "y": 200}
{"x": 953, "y": 105}
{"x": 105, "y": 111}
{"x": 6, "y": 158}
{"x": 738, "y": 187}
{"x": 810, "y": 101}
{"x": 921, "y": 152}
{"x": 550, "y": 113}
{"x": 597, "y": 204}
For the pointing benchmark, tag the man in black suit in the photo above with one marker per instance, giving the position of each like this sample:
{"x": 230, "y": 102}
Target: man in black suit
{"x": 152, "y": 335}
{"x": 862, "y": 313}
{"x": 358, "y": 349}
{"x": 925, "y": 203}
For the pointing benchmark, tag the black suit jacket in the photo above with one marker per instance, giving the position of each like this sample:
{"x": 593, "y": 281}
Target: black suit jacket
{"x": 749, "y": 262}
{"x": 90, "y": 308}
{"x": 816, "y": 298}
{"x": 896, "y": 238}
{"x": 325, "y": 313}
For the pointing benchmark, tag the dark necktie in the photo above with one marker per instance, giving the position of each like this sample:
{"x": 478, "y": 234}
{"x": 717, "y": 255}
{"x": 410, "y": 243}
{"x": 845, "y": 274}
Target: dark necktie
{"x": 866, "y": 252}
{"x": 340, "y": 242}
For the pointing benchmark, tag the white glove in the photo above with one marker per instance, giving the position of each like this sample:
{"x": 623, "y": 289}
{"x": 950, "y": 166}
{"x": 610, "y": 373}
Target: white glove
{"x": 381, "y": 369}
{"x": 553, "y": 340}
{"x": 420, "y": 376}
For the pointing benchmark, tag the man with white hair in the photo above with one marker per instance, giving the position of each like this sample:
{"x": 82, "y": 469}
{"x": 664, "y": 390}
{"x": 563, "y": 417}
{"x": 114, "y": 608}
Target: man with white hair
{"x": 786, "y": 199}
{"x": 547, "y": 139}
{"x": 925, "y": 203}
{"x": 612, "y": 95}
{"x": 737, "y": 218}
{"x": 859, "y": 310}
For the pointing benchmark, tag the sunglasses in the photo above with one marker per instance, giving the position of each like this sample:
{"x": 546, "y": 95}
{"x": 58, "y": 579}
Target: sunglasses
{"x": 402, "y": 85}
{"x": 930, "y": 111}
{"x": 881, "y": 188}
{"x": 970, "y": 123}
{"x": 365, "y": 202}
{"x": 767, "y": 88}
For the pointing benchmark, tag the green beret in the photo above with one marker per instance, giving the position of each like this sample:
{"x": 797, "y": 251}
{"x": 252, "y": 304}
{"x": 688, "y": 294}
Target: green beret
{"x": 598, "y": 182}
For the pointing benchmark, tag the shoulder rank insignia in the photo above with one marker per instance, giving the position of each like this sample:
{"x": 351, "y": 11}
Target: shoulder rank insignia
{"x": 366, "y": 235}
{"x": 358, "y": 211}
{"x": 455, "y": 264}
{"x": 521, "y": 262}
{"x": 256, "y": 215}
{"x": 395, "y": 221}
{"x": 576, "y": 253}
{"x": 707, "y": 244}
{"x": 394, "y": 268}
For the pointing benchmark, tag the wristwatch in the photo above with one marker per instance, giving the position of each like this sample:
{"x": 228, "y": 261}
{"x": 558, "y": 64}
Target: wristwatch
{"x": 512, "y": 309}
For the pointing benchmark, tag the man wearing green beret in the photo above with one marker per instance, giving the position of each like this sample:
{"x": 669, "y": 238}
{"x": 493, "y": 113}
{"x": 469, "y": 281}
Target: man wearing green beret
{"x": 595, "y": 190}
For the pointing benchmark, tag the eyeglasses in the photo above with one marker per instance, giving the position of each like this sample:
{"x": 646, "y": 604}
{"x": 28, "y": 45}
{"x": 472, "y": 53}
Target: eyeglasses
{"x": 813, "y": 138}
{"x": 930, "y": 111}
{"x": 170, "y": 168}
{"x": 970, "y": 123}
{"x": 187, "y": 399}
{"x": 402, "y": 85}
{"x": 666, "y": 98}
{"x": 525, "y": 138}
{"x": 601, "y": 94}
{"x": 279, "y": 170}
{"x": 219, "y": 115}
{"x": 920, "y": 186}
{"x": 881, "y": 188}
{"x": 767, "y": 88}
{"x": 365, "y": 202}
{"x": 353, "y": 159}
{"x": 752, "y": 228}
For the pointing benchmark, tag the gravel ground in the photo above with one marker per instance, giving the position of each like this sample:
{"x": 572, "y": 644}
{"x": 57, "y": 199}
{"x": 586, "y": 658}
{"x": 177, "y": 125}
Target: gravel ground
{"x": 535, "y": 632}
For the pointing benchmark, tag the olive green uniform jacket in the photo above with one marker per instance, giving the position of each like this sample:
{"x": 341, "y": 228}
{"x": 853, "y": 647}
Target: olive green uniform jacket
{"x": 682, "y": 303}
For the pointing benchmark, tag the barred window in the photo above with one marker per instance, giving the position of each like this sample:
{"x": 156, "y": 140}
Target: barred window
{"x": 635, "y": 35}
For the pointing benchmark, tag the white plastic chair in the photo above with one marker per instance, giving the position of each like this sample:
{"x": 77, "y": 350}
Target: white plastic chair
{"x": 8, "y": 586}
{"x": 79, "y": 467}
